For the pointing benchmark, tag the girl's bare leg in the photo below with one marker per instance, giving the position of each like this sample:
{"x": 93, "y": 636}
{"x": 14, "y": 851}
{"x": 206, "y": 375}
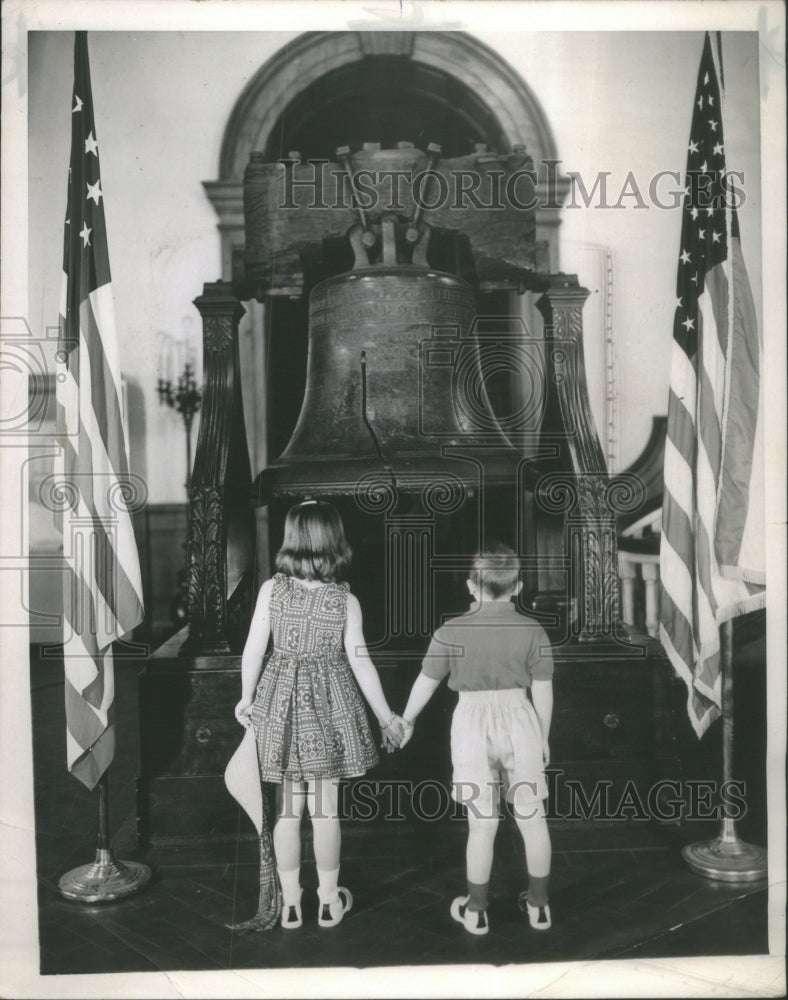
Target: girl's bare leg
{"x": 323, "y": 805}
{"x": 287, "y": 839}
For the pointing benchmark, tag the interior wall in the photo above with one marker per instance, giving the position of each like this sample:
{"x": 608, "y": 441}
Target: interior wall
{"x": 617, "y": 102}
{"x": 161, "y": 102}
{"x": 622, "y": 103}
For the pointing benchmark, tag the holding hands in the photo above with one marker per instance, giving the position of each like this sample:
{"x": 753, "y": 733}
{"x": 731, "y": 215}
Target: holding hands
{"x": 421, "y": 692}
{"x": 396, "y": 733}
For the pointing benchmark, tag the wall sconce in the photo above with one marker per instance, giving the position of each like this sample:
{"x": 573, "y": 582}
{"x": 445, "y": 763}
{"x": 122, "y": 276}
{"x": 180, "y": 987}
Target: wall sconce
{"x": 184, "y": 397}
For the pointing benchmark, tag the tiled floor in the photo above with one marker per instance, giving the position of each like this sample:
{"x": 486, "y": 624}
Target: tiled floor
{"x": 615, "y": 893}
{"x": 605, "y": 904}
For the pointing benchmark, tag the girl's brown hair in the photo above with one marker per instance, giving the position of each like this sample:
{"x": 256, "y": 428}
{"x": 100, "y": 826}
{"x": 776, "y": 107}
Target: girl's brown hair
{"x": 314, "y": 545}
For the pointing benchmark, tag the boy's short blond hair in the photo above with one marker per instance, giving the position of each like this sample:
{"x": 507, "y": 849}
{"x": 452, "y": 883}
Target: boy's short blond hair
{"x": 496, "y": 571}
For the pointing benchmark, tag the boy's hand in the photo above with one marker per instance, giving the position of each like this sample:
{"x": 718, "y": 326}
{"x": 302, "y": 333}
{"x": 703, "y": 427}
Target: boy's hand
{"x": 407, "y": 732}
{"x": 242, "y": 712}
{"x": 546, "y": 753}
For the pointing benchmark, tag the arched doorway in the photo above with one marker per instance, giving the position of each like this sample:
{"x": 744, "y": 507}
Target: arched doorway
{"x": 438, "y": 60}
{"x": 385, "y": 99}
{"x": 326, "y": 89}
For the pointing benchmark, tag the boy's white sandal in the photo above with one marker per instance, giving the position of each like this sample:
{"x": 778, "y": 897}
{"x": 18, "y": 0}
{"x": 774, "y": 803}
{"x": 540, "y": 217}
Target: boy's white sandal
{"x": 538, "y": 916}
{"x": 291, "y": 915}
{"x": 474, "y": 921}
{"x": 330, "y": 914}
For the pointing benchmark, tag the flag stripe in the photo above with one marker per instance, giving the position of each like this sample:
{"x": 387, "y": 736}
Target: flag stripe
{"x": 741, "y": 428}
{"x": 709, "y": 437}
{"x": 85, "y": 722}
{"x": 707, "y": 678}
{"x": 681, "y": 634}
{"x": 105, "y": 397}
{"x": 715, "y": 297}
{"x": 676, "y": 527}
{"x": 681, "y": 425}
{"x": 90, "y": 766}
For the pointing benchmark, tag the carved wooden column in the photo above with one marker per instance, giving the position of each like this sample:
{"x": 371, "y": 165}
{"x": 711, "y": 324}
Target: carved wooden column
{"x": 584, "y": 493}
{"x": 221, "y": 519}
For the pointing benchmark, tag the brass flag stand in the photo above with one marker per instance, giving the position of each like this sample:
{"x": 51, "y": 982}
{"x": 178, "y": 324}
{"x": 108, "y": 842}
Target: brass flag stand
{"x": 727, "y": 858}
{"x": 105, "y": 879}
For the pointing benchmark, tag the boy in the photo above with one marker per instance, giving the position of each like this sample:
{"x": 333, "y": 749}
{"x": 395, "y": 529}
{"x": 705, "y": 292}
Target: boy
{"x": 491, "y": 655}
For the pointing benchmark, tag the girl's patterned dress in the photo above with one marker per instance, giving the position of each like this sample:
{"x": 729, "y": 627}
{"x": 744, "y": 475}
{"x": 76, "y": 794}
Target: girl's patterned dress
{"x": 308, "y": 715}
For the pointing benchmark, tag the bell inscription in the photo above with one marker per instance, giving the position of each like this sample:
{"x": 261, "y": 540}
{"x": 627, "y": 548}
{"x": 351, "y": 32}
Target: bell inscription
{"x": 362, "y": 302}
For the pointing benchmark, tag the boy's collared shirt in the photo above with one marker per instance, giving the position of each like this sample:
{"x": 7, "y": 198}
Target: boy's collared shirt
{"x": 490, "y": 648}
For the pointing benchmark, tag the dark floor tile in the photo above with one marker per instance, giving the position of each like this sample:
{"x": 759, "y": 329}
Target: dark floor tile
{"x": 164, "y": 953}
{"x": 741, "y": 927}
{"x": 670, "y": 890}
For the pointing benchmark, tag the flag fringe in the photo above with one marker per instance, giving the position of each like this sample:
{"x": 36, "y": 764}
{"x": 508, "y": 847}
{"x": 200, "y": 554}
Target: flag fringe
{"x": 756, "y": 602}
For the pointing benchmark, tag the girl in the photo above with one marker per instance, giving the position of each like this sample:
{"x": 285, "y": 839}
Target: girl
{"x": 308, "y": 719}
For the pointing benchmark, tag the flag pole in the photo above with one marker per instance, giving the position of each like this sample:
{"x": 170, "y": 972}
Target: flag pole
{"x": 105, "y": 879}
{"x": 100, "y": 552}
{"x": 727, "y": 858}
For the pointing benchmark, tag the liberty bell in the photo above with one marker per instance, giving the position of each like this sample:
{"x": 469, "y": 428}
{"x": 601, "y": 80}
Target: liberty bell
{"x": 394, "y": 388}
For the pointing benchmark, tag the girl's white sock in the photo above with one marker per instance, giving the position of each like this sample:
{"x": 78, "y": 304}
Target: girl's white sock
{"x": 327, "y": 886}
{"x": 291, "y": 886}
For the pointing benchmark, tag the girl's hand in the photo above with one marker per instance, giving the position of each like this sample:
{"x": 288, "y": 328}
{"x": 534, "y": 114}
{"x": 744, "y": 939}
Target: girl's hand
{"x": 387, "y": 745}
{"x": 242, "y": 712}
{"x": 393, "y": 734}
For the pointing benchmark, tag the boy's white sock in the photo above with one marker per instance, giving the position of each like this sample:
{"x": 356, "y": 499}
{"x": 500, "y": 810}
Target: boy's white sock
{"x": 291, "y": 886}
{"x": 327, "y": 886}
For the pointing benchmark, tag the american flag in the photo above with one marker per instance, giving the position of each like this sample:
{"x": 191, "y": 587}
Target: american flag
{"x": 712, "y": 549}
{"x": 103, "y": 592}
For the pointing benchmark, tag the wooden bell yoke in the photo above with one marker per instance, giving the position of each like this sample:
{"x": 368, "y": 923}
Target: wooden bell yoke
{"x": 421, "y": 253}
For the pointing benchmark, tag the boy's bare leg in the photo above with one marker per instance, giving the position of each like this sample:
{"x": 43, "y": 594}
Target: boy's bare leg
{"x": 533, "y": 829}
{"x": 479, "y": 857}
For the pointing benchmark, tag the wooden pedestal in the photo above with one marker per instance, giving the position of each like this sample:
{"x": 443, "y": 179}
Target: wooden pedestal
{"x": 612, "y": 740}
{"x": 613, "y": 733}
{"x": 187, "y": 735}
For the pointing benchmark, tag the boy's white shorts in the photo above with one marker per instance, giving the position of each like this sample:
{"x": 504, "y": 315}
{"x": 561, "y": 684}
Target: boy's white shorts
{"x": 495, "y": 741}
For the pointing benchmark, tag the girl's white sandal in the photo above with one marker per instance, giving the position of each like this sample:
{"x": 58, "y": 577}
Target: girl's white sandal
{"x": 291, "y": 915}
{"x": 330, "y": 914}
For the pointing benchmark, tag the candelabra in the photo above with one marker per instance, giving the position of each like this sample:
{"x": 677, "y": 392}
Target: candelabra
{"x": 185, "y": 399}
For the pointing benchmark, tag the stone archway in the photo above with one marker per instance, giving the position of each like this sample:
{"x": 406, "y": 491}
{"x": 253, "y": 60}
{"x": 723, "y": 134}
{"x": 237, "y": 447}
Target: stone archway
{"x": 312, "y": 56}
